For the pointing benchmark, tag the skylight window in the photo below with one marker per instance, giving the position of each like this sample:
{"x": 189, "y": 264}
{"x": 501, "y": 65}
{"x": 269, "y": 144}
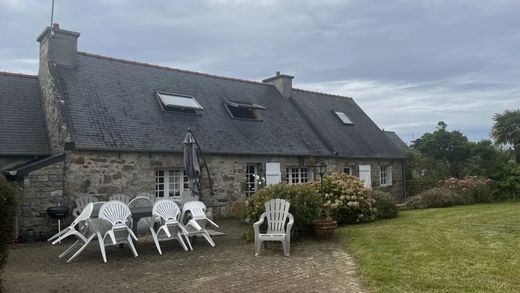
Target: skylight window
{"x": 177, "y": 102}
{"x": 343, "y": 117}
{"x": 241, "y": 110}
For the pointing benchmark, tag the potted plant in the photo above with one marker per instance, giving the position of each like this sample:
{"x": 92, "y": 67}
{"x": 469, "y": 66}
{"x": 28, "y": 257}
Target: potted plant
{"x": 325, "y": 227}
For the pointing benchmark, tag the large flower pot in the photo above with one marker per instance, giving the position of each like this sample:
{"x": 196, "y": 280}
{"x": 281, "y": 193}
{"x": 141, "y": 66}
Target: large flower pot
{"x": 324, "y": 228}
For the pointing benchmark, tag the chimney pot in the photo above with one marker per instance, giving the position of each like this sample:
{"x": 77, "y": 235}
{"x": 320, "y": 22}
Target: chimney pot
{"x": 277, "y": 73}
{"x": 56, "y": 26}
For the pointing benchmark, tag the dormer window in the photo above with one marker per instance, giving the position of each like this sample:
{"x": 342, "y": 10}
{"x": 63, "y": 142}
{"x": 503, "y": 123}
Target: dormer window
{"x": 241, "y": 110}
{"x": 343, "y": 117}
{"x": 176, "y": 102}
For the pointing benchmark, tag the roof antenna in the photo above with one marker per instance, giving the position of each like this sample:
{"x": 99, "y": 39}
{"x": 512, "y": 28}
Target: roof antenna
{"x": 52, "y": 17}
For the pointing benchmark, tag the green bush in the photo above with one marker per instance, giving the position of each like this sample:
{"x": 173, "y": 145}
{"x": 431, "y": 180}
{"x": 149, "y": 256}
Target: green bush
{"x": 508, "y": 181}
{"x": 418, "y": 185}
{"x": 7, "y": 216}
{"x": 351, "y": 201}
{"x": 385, "y": 204}
{"x": 305, "y": 204}
{"x": 439, "y": 197}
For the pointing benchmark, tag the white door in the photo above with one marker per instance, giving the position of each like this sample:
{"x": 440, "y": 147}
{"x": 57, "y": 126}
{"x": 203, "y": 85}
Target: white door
{"x": 364, "y": 175}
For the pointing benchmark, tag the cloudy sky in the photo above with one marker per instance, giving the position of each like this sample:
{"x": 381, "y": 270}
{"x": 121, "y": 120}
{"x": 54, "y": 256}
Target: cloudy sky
{"x": 407, "y": 63}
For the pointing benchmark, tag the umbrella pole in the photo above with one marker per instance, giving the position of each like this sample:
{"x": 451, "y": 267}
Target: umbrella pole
{"x": 205, "y": 164}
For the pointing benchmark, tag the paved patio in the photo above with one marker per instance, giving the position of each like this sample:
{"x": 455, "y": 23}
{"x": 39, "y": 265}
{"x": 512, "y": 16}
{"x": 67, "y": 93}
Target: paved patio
{"x": 314, "y": 266}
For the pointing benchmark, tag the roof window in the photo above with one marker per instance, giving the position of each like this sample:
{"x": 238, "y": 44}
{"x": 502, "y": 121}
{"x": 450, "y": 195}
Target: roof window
{"x": 343, "y": 117}
{"x": 181, "y": 103}
{"x": 241, "y": 110}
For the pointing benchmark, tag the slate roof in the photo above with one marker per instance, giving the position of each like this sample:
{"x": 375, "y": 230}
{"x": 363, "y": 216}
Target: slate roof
{"x": 112, "y": 106}
{"x": 363, "y": 139}
{"x": 397, "y": 141}
{"x": 22, "y": 126}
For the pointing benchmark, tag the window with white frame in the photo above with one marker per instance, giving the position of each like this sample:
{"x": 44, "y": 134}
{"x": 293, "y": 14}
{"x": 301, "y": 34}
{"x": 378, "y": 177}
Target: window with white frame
{"x": 170, "y": 183}
{"x": 295, "y": 175}
{"x": 251, "y": 180}
{"x": 385, "y": 175}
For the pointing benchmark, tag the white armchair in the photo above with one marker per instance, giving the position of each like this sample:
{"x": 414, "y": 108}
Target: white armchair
{"x": 277, "y": 213}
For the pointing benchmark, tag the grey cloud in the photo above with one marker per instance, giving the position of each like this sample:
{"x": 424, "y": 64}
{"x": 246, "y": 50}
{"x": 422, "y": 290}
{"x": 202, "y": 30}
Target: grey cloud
{"x": 407, "y": 63}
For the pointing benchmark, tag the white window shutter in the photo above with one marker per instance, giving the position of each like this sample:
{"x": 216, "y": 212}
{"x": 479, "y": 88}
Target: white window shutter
{"x": 389, "y": 176}
{"x": 273, "y": 175}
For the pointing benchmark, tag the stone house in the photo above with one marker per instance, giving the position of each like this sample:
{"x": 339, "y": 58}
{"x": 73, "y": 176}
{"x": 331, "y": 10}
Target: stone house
{"x": 100, "y": 125}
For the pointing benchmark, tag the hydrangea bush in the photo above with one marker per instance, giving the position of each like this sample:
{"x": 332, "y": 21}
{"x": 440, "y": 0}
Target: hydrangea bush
{"x": 481, "y": 189}
{"x": 346, "y": 199}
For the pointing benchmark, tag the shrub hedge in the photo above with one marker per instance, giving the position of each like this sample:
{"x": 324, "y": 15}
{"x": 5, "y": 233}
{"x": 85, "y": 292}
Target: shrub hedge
{"x": 305, "y": 204}
{"x": 7, "y": 216}
{"x": 385, "y": 205}
{"x": 439, "y": 197}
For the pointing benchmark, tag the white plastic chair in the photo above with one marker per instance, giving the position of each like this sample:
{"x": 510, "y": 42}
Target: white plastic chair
{"x": 118, "y": 215}
{"x": 120, "y": 197}
{"x": 169, "y": 213}
{"x": 78, "y": 228}
{"x": 81, "y": 202}
{"x": 142, "y": 202}
{"x": 91, "y": 225}
{"x": 276, "y": 212}
{"x": 196, "y": 224}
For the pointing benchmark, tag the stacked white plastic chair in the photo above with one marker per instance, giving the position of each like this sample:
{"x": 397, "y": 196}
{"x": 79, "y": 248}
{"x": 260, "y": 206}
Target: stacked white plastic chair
{"x": 120, "y": 197}
{"x": 92, "y": 225}
{"x": 170, "y": 228}
{"x": 144, "y": 223}
{"x": 118, "y": 215}
{"x": 81, "y": 202}
{"x": 79, "y": 228}
{"x": 196, "y": 225}
{"x": 276, "y": 213}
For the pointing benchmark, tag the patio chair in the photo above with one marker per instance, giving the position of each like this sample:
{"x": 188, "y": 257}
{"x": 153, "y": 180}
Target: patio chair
{"x": 81, "y": 202}
{"x": 170, "y": 228}
{"x": 194, "y": 213}
{"x": 120, "y": 197}
{"x": 277, "y": 213}
{"x": 92, "y": 225}
{"x": 78, "y": 228}
{"x": 118, "y": 215}
{"x": 144, "y": 223}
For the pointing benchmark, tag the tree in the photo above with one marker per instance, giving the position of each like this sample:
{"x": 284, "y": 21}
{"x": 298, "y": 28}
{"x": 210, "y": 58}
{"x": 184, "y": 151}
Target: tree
{"x": 486, "y": 159}
{"x": 506, "y": 130}
{"x": 451, "y": 148}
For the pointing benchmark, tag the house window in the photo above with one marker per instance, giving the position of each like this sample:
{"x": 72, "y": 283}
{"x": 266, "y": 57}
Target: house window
{"x": 240, "y": 110}
{"x": 181, "y": 103}
{"x": 385, "y": 175}
{"x": 343, "y": 117}
{"x": 295, "y": 175}
{"x": 251, "y": 182}
{"x": 170, "y": 183}
{"x": 347, "y": 170}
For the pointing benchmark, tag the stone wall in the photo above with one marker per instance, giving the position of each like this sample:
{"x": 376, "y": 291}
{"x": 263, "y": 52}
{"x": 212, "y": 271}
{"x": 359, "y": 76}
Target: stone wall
{"x": 107, "y": 173}
{"x": 39, "y": 188}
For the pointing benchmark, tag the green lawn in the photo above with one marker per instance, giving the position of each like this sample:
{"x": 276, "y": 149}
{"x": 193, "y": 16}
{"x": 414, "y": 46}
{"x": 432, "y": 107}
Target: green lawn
{"x": 467, "y": 248}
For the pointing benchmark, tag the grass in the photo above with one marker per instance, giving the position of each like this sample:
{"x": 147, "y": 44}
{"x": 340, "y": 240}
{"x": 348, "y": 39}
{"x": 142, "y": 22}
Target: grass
{"x": 460, "y": 249}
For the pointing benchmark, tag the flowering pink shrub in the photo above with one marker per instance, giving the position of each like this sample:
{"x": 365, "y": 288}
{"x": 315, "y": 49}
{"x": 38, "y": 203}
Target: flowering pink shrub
{"x": 481, "y": 189}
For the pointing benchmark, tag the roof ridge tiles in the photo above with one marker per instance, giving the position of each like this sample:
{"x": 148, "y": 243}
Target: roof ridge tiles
{"x": 321, "y": 93}
{"x": 16, "y": 74}
{"x": 170, "y": 68}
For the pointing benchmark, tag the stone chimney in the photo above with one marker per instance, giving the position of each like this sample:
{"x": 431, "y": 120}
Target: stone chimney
{"x": 59, "y": 46}
{"x": 282, "y": 82}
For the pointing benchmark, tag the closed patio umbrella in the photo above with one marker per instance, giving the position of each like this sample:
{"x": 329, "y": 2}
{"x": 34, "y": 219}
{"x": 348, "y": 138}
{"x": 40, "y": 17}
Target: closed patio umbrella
{"x": 191, "y": 164}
